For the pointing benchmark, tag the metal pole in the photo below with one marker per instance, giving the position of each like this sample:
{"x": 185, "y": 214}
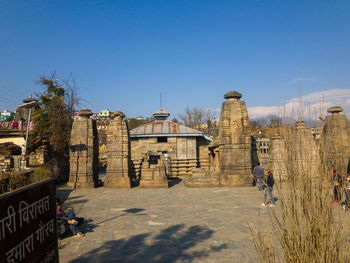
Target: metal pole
{"x": 25, "y": 147}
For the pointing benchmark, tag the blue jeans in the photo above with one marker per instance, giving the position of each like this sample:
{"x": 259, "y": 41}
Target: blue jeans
{"x": 260, "y": 183}
{"x": 69, "y": 215}
{"x": 269, "y": 190}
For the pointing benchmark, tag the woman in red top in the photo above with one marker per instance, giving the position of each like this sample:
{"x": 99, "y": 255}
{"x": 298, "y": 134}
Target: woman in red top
{"x": 70, "y": 218}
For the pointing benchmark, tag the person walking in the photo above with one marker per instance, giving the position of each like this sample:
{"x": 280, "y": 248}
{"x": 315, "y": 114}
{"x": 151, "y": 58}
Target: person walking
{"x": 258, "y": 172}
{"x": 270, "y": 181}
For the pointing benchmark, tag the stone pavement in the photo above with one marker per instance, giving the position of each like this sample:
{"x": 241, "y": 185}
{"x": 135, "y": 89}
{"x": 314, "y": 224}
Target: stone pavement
{"x": 177, "y": 224}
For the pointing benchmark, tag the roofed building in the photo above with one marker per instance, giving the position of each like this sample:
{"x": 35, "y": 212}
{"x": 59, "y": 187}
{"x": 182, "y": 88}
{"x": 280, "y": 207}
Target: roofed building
{"x": 183, "y": 148}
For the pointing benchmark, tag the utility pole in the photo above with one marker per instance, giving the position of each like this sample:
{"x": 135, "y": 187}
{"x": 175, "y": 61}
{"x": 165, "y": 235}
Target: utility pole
{"x": 28, "y": 103}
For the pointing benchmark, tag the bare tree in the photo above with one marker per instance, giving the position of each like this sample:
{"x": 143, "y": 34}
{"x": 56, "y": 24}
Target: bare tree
{"x": 275, "y": 121}
{"x": 254, "y": 124}
{"x": 262, "y": 122}
{"x": 71, "y": 89}
{"x": 199, "y": 119}
{"x": 193, "y": 118}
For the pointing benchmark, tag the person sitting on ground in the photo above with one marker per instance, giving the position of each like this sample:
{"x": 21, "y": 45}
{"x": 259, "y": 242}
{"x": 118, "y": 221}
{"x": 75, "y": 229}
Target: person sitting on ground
{"x": 70, "y": 218}
{"x": 270, "y": 181}
{"x": 258, "y": 172}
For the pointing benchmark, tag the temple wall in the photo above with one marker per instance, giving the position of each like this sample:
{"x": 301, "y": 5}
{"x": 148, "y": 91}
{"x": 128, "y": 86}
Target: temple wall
{"x": 204, "y": 160}
{"x": 183, "y": 153}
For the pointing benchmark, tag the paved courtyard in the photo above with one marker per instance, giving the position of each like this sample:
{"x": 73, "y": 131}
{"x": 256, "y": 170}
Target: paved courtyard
{"x": 177, "y": 224}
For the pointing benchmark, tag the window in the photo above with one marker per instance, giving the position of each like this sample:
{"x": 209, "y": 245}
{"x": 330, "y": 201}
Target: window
{"x": 153, "y": 159}
{"x": 162, "y": 139}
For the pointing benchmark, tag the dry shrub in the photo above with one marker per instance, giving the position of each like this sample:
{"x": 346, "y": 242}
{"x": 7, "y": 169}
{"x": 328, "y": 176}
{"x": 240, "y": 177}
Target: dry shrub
{"x": 264, "y": 245}
{"x": 307, "y": 226}
{"x": 39, "y": 174}
{"x": 4, "y": 181}
{"x": 12, "y": 180}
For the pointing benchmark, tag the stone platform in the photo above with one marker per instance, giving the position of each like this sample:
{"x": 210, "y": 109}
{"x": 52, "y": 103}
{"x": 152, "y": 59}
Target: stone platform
{"x": 177, "y": 224}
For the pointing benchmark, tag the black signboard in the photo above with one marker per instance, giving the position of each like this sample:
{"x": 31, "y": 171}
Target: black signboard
{"x": 28, "y": 224}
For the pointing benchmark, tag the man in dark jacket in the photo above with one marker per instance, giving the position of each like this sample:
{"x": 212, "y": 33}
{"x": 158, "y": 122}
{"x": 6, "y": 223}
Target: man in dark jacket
{"x": 269, "y": 182}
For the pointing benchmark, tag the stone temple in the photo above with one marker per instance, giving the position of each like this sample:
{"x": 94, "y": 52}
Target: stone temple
{"x": 151, "y": 154}
{"x": 231, "y": 163}
{"x": 177, "y": 147}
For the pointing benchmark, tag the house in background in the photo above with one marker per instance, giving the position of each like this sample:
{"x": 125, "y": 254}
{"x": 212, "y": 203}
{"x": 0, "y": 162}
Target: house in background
{"x": 7, "y": 115}
{"x": 104, "y": 114}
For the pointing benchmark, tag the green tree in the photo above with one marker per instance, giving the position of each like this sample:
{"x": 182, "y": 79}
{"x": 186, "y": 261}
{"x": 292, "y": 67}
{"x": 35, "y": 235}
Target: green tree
{"x": 134, "y": 123}
{"x": 52, "y": 123}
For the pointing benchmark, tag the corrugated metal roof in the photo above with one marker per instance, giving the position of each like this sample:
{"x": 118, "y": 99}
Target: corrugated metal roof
{"x": 164, "y": 128}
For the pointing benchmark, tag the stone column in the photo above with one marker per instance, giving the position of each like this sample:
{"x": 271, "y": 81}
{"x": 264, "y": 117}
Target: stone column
{"x": 83, "y": 154}
{"x": 336, "y": 141}
{"x": 118, "y": 152}
{"x": 306, "y": 150}
{"x": 278, "y": 157}
{"x": 235, "y": 164}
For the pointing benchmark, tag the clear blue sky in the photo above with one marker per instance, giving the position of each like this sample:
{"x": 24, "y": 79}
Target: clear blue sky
{"x": 123, "y": 54}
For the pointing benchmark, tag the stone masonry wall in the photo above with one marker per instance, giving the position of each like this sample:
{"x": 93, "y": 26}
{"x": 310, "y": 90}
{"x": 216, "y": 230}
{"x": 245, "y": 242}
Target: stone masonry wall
{"x": 182, "y": 154}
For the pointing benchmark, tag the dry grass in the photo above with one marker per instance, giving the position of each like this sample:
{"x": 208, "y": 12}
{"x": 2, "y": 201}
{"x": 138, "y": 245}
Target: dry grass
{"x": 306, "y": 225}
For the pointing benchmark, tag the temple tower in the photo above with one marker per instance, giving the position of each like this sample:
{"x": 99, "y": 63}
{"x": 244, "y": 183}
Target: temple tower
{"x": 234, "y": 149}
{"x": 118, "y": 152}
{"x": 336, "y": 141}
{"x": 83, "y": 152}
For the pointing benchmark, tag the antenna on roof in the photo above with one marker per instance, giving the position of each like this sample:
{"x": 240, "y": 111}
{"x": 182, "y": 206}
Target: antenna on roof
{"x": 161, "y": 100}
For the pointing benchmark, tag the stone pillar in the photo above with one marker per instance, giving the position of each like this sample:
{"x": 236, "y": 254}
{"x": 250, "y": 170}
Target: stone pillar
{"x": 83, "y": 154}
{"x": 118, "y": 152}
{"x": 336, "y": 141}
{"x": 278, "y": 157}
{"x": 153, "y": 171}
{"x": 306, "y": 151}
{"x": 235, "y": 166}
